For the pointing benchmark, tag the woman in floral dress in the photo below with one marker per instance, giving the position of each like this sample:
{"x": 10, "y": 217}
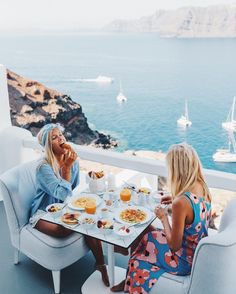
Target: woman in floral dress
{"x": 172, "y": 249}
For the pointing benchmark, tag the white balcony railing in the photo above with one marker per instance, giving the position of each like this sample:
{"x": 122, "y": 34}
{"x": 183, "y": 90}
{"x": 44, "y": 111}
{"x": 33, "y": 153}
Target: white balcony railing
{"x": 215, "y": 179}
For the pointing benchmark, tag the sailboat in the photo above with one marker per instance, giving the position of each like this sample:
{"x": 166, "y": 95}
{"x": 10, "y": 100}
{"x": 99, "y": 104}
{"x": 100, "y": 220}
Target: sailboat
{"x": 184, "y": 119}
{"x": 225, "y": 155}
{"x": 230, "y": 123}
{"x": 121, "y": 97}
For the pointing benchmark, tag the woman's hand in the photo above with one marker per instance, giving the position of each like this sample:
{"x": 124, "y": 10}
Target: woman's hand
{"x": 160, "y": 213}
{"x": 69, "y": 157}
{"x": 166, "y": 200}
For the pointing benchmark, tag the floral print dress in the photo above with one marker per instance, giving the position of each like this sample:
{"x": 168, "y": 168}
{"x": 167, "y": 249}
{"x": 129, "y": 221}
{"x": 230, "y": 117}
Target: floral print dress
{"x": 153, "y": 256}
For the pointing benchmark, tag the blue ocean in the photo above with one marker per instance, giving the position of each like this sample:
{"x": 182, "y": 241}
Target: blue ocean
{"x": 157, "y": 76}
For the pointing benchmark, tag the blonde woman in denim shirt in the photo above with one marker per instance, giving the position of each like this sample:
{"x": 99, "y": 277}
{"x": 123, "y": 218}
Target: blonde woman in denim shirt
{"x": 56, "y": 176}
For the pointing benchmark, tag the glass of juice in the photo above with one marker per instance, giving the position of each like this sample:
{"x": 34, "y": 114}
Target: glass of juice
{"x": 90, "y": 207}
{"x": 125, "y": 195}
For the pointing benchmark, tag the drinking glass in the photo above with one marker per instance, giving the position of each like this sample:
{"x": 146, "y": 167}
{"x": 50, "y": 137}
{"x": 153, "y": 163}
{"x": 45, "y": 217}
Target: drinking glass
{"x": 125, "y": 196}
{"x": 90, "y": 207}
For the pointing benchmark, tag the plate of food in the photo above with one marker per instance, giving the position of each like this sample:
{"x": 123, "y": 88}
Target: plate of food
{"x": 105, "y": 226}
{"x": 70, "y": 218}
{"x": 79, "y": 202}
{"x": 88, "y": 221}
{"x": 55, "y": 209}
{"x": 124, "y": 230}
{"x": 133, "y": 215}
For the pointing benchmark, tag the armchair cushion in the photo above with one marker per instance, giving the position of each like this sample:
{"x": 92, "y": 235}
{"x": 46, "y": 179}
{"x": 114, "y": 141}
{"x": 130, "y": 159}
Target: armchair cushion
{"x": 52, "y": 253}
{"x": 20, "y": 184}
{"x": 169, "y": 284}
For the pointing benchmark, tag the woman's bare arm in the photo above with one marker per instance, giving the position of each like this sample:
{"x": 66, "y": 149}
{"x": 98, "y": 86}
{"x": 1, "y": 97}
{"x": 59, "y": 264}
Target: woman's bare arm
{"x": 174, "y": 234}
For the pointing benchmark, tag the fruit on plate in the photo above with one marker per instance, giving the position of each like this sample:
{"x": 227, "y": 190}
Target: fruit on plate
{"x": 104, "y": 224}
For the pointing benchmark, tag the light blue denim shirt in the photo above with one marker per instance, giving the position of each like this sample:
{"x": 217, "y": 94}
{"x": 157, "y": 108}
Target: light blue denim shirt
{"x": 52, "y": 189}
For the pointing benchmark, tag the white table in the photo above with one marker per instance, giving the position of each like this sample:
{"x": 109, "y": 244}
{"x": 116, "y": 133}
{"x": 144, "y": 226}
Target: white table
{"x": 111, "y": 239}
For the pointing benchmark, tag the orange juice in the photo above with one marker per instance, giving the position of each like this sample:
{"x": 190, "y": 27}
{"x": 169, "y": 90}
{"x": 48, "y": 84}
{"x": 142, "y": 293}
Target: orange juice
{"x": 125, "y": 195}
{"x": 90, "y": 207}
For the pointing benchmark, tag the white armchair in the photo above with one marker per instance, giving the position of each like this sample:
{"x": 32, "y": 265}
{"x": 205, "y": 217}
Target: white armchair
{"x": 18, "y": 188}
{"x": 213, "y": 270}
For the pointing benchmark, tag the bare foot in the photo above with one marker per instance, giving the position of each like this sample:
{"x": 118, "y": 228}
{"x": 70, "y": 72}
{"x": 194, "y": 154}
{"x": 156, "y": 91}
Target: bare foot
{"x": 121, "y": 250}
{"x": 103, "y": 270}
{"x": 119, "y": 287}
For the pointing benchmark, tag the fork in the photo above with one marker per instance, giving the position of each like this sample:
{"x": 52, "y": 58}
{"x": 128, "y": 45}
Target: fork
{"x": 130, "y": 186}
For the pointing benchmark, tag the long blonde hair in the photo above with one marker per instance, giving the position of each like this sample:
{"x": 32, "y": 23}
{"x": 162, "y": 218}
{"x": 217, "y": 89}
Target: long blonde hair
{"x": 50, "y": 158}
{"x": 185, "y": 170}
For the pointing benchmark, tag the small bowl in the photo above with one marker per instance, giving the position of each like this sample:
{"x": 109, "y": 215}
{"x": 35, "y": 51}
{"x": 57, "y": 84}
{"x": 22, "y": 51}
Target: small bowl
{"x": 88, "y": 221}
{"x": 55, "y": 209}
{"x": 144, "y": 190}
{"x": 124, "y": 231}
{"x": 105, "y": 226}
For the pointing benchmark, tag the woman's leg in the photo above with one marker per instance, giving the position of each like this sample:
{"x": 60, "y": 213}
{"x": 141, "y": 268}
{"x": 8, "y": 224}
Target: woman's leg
{"x": 120, "y": 287}
{"x": 51, "y": 229}
{"x": 96, "y": 247}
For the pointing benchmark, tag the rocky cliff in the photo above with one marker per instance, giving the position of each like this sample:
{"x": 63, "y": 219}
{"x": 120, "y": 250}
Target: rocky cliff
{"x": 33, "y": 105}
{"x": 187, "y": 22}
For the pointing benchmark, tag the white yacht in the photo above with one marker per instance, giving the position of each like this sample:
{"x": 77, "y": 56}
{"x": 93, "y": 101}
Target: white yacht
{"x": 184, "y": 119}
{"x": 230, "y": 123}
{"x": 226, "y": 155}
{"x": 121, "y": 97}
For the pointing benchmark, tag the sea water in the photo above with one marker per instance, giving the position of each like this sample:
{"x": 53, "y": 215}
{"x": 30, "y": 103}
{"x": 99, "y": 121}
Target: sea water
{"x": 157, "y": 75}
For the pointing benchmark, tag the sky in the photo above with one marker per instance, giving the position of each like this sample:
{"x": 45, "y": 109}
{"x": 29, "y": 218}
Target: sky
{"x": 82, "y": 14}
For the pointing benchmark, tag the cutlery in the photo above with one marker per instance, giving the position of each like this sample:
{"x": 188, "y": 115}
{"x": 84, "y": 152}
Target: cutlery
{"x": 130, "y": 186}
{"x": 64, "y": 205}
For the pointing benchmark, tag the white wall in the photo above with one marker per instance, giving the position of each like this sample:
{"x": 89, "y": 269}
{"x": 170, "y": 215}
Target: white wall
{"x": 5, "y": 118}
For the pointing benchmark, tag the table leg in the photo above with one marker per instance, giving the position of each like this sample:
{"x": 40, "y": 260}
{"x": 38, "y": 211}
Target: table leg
{"x": 111, "y": 264}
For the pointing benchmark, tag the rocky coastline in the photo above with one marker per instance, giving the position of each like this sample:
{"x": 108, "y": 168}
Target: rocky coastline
{"x": 33, "y": 105}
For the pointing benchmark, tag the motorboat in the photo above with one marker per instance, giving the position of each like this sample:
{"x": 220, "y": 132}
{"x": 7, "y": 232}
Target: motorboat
{"x": 184, "y": 119}
{"x": 230, "y": 123}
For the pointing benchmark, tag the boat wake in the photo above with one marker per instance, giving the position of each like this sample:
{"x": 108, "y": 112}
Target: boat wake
{"x": 98, "y": 79}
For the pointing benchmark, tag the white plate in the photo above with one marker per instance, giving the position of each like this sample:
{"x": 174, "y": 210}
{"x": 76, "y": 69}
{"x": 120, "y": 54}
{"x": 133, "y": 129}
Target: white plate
{"x": 121, "y": 233}
{"x": 94, "y": 196}
{"x": 147, "y": 211}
